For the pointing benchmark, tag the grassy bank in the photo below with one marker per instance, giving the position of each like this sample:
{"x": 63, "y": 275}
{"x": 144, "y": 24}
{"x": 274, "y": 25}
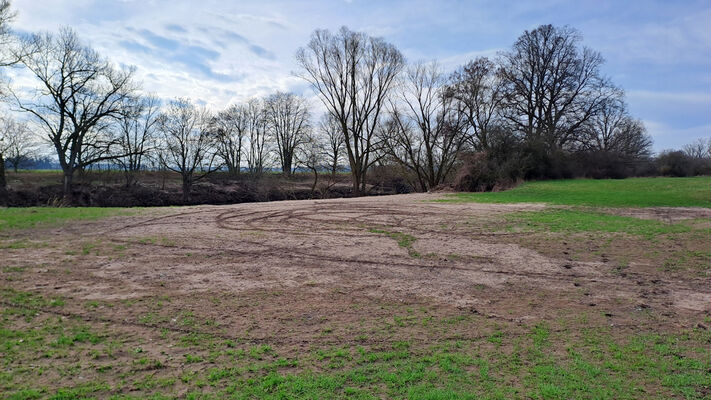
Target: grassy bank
{"x": 632, "y": 192}
{"x": 31, "y": 217}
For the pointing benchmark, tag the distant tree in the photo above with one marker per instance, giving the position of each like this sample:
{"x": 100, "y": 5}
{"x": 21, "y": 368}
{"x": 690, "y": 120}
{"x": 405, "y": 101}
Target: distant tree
{"x": 698, "y": 149}
{"x": 353, "y": 74}
{"x": 230, "y": 128}
{"x": 613, "y": 130}
{"x": 288, "y": 121}
{"x": 312, "y": 155}
{"x": 18, "y": 144}
{"x": 257, "y": 132}
{"x": 78, "y": 95}
{"x": 676, "y": 163}
{"x": 188, "y": 146}
{"x": 330, "y": 129}
{"x": 426, "y": 132}
{"x": 478, "y": 89}
{"x": 137, "y": 134}
{"x": 698, "y": 153}
{"x": 552, "y": 86}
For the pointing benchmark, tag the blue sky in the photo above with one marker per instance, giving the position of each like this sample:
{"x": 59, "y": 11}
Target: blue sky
{"x": 221, "y": 52}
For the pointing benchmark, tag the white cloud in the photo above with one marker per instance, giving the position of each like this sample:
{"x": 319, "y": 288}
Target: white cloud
{"x": 230, "y": 51}
{"x": 670, "y": 137}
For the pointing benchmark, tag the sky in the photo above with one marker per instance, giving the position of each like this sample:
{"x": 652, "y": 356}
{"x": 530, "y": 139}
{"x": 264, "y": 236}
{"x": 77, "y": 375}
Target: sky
{"x": 223, "y": 52}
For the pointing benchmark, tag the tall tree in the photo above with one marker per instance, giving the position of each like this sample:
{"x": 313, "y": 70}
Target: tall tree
{"x": 353, "y": 74}
{"x": 230, "y": 128}
{"x": 188, "y": 144}
{"x": 257, "y": 134}
{"x": 477, "y": 88}
{"x": 10, "y": 54}
{"x": 552, "y": 85}
{"x": 426, "y": 132}
{"x": 79, "y": 92}
{"x": 136, "y": 134}
{"x": 288, "y": 119}
{"x": 334, "y": 145}
{"x": 613, "y": 130}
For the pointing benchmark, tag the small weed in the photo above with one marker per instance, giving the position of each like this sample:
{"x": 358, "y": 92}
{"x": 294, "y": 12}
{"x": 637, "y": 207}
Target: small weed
{"x": 403, "y": 240}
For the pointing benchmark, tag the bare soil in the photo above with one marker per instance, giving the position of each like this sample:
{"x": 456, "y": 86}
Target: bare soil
{"x": 286, "y": 272}
{"x": 319, "y": 247}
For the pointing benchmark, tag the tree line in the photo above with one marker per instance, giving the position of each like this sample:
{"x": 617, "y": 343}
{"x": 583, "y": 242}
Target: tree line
{"x": 536, "y": 110}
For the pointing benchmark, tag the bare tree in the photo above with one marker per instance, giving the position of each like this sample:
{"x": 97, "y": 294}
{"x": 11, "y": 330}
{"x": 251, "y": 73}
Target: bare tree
{"x": 230, "y": 128}
{"x": 5, "y": 142}
{"x": 18, "y": 143}
{"x": 312, "y": 154}
{"x": 698, "y": 149}
{"x": 477, "y": 87}
{"x": 552, "y": 85}
{"x": 137, "y": 129}
{"x": 10, "y": 54}
{"x": 613, "y": 130}
{"x": 6, "y": 17}
{"x": 188, "y": 145}
{"x": 288, "y": 120}
{"x": 426, "y": 131}
{"x": 334, "y": 149}
{"x": 353, "y": 74}
{"x": 79, "y": 92}
{"x": 257, "y": 134}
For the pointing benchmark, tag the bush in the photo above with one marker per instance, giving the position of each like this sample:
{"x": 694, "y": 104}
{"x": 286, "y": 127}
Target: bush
{"x": 391, "y": 178}
{"x": 482, "y": 172}
{"x": 605, "y": 165}
{"x": 678, "y": 163}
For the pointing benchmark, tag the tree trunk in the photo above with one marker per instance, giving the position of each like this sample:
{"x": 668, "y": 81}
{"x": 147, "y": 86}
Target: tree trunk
{"x": 129, "y": 178}
{"x": 363, "y": 192}
{"x": 313, "y": 187}
{"x": 67, "y": 185}
{"x": 232, "y": 170}
{"x": 186, "y": 190}
{"x": 3, "y": 180}
{"x": 356, "y": 184}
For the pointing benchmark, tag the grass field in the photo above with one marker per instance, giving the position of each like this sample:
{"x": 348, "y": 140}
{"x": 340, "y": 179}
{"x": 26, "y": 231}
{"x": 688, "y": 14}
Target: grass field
{"x": 387, "y": 297}
{"x": 537, "y": 362}
{"x": 30, "y": 217}
{"x": 632, "y": 192}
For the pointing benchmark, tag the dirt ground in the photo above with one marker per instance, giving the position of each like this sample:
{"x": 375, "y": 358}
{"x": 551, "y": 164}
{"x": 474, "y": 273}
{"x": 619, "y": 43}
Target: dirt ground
{"x": 314, "y": 248}
{"x": 283, "y": 273}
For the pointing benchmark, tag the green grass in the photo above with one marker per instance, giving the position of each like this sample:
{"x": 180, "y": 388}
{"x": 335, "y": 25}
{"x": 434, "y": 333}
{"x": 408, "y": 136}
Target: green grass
{"x": 30, "y": 217}
{"x": 538, "y": 363}
{"x": 403, "y": 240}
{"x": 632, "y": 192}
{"x": 570, "y": 221}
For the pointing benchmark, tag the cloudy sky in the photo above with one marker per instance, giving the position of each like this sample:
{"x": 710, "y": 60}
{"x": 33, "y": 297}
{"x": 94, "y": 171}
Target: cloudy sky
{"x": 220, "y": 52}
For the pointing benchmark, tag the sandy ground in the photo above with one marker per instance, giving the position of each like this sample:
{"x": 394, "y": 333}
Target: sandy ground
{"x": 290, "y": 268}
